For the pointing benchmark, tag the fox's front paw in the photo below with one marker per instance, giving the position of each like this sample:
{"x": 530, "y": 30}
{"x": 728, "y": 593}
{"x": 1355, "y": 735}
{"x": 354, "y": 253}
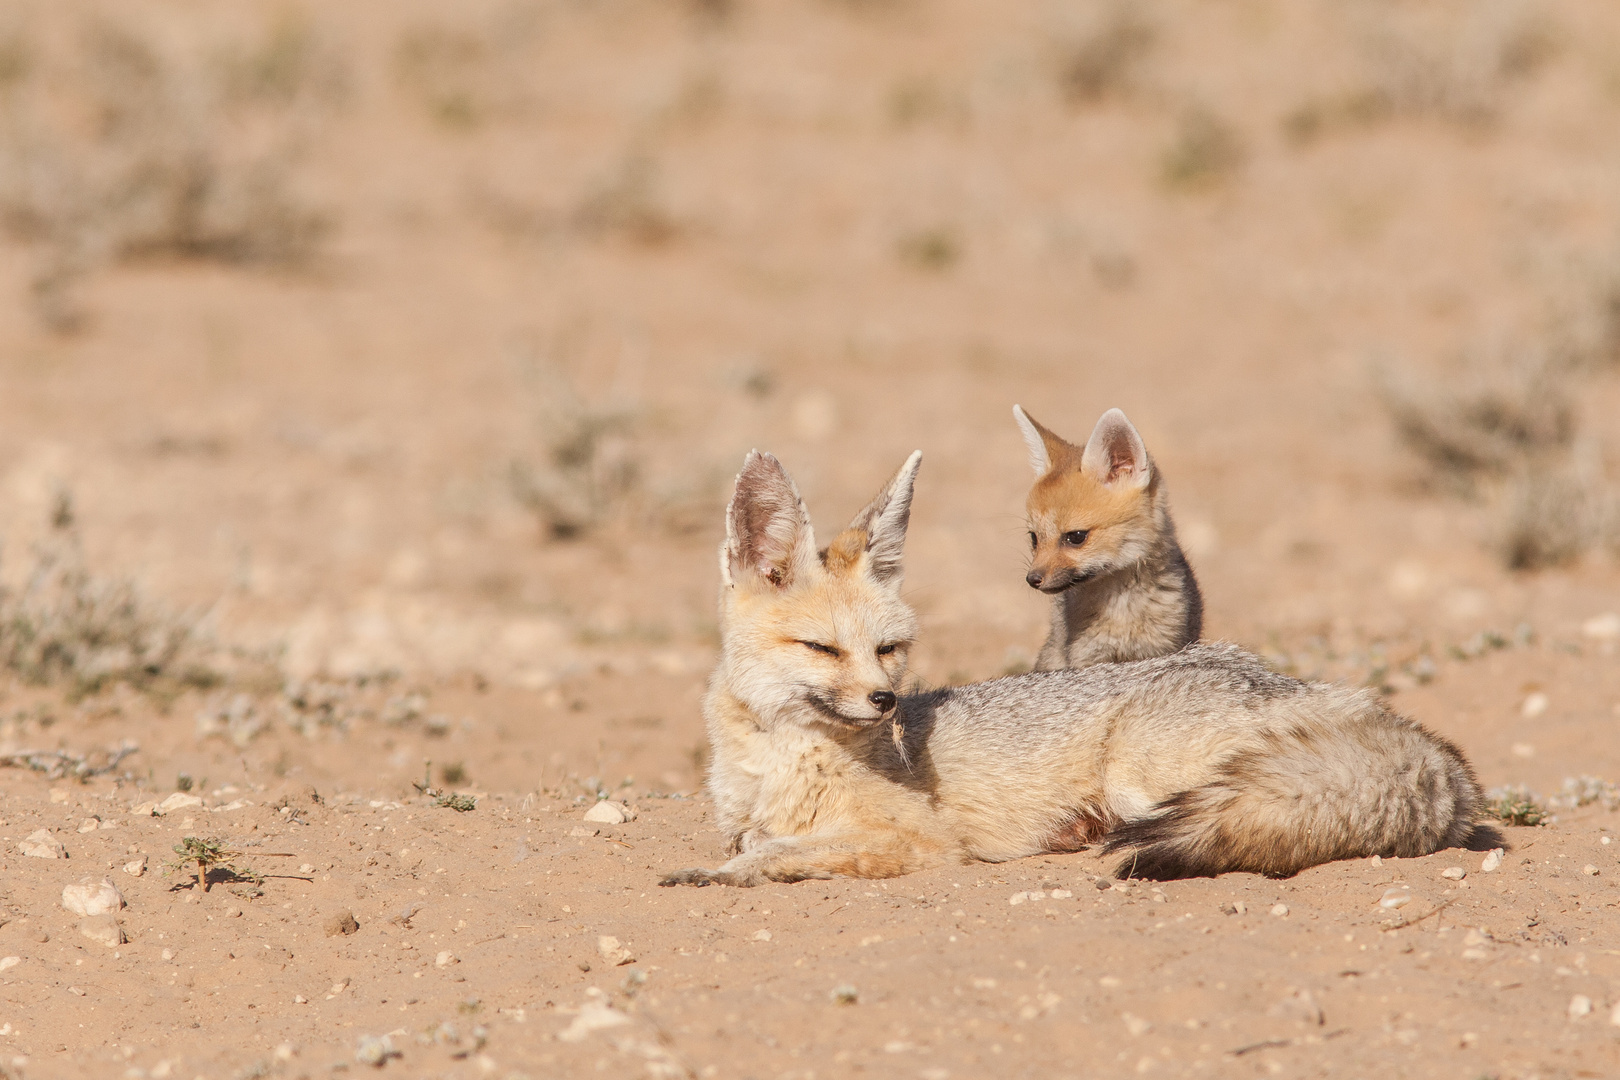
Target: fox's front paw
{"x": 695, "y": 875}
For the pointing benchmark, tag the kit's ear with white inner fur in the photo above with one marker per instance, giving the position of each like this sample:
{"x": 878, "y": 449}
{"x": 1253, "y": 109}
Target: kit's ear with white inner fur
{"x": 1115, "y": 454}
{"x": 885, "y": 519}
{"x": 1039, "y": 459}
{"x": 769, "y": 542}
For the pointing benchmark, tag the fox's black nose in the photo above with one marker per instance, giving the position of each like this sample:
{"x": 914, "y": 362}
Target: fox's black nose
{"x": 883, "y": 699}
{"x": 1034, "y": 577}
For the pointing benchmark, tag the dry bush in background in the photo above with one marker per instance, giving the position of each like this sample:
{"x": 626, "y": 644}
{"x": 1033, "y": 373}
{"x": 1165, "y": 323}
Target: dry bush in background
{"x": 66, "y": 627}
{"x": 1206, "y": 150}
{"x": 1102, "y": 50}
{"x": 115, "y": 147}
{"x": 1505, "y": 429}
{"x": 464, "y": 77}
{"x": 1451, "y": 59}
{"x": 594, "y": 469}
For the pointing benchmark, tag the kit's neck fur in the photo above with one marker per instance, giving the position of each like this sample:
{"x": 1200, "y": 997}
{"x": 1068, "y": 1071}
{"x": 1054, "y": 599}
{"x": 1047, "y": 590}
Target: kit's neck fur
{"x": 1150, "y": 608}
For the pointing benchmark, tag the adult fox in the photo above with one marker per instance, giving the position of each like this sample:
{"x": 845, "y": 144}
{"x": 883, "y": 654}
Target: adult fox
{"x": 1197, "y": 763}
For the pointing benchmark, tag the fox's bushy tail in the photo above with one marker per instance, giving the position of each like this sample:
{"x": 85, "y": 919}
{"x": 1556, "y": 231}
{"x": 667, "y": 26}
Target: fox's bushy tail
{"x": 1311, "y": 790}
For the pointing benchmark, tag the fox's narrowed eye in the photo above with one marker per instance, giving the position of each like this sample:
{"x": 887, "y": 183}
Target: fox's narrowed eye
{"x": 885, "y": 650}
{"x": 1034, "y": 541}
{"x": 820, "y": 648}
{"x": 1075, "y": 538}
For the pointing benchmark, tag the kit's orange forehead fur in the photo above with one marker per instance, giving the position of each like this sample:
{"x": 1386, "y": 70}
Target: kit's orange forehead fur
{"x": 1066, "y": 498}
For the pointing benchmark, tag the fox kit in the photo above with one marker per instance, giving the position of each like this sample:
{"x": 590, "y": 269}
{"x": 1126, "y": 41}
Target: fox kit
{"x": 1197, "y": 763}
{"x": 1104, "y": 548}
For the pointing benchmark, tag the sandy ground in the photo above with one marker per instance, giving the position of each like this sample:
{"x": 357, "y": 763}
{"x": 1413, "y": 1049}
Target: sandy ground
{"x": 837, "y": 230}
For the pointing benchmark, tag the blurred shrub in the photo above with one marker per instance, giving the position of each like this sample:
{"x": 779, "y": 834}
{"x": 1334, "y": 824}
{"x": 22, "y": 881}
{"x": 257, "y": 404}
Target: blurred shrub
{"x": 118, "y": 149}
{"x": 1506, "y": 430}
{"x": 1101, "y": 55}
{"x": 1455, "y": 60}
{"x": 68, "y": 628}
{"x": 1205, "y": 151}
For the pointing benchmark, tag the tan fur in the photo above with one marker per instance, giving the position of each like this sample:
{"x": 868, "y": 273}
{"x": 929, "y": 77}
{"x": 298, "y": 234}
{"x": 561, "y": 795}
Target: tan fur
{"x": 1200, "y": 762}
{"x": 1126, "y": 592}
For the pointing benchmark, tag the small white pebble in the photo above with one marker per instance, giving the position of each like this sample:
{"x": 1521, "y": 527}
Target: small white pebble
{"x": 1378, "y": 860}
{"x": 1279, "y": 909}
{"x": 8, "y": 962}
{"x": 1394, "y": 898}
{"x": 1614, "y": 1015}
{"x": 300, "y": 999}
{"x": 306, "y": 868}
{"x": 445, "y": 959}
{"x": 1580, "y": 1005}
{"x": 760, "y": 935}
{"x": 1017, "y": 898}
{"x": 1589, "y": 870}
{"x": 1523, "y": 749}
{"x": 1135, "y": 1024}
{"x": 1492, "y": 861}
{"x": 1605, "y": 840}
{"x": 1061, "y": 894}
{"x": 1454, "y": 873}
{"x": 1534, "y": 705}
{"x": 168, "y": 954}
{"x": 1468, "y": 1039}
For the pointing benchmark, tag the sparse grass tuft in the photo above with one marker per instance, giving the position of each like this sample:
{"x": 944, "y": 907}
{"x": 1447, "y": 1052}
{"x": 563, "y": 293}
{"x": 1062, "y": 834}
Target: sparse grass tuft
{"x": 68, "y": 628}
{"x": 935, "y": 249}
{"x": 1515, "y": 805}
{"x": 1205, "y": 151}
{"x": 586, "y": 472}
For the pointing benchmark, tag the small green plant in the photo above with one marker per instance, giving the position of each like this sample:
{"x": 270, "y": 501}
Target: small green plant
{"x": 447, "y": 799}
{"x": 208, "y": 855}
{"x": 1515, "y": 806}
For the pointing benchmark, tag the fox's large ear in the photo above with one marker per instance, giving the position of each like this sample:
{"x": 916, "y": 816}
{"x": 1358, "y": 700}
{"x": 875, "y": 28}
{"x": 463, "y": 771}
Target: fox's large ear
{"x": 1115, "y": 454}
{"x": 768, "y": 535}
{"x": 884, "y": 521}
{"x": 1044, "y": 446}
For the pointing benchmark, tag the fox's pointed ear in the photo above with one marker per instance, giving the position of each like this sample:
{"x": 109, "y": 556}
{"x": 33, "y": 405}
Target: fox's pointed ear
{"x": 1115, "y": 453}
{"x": 1044, "y": 446}
{"x": 768, "y": 535}
{"x": 884, "y": 521}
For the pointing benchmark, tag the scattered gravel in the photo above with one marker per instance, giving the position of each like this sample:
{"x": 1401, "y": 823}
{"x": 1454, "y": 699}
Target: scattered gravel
{"x": 343, "y": 923}
{"x": 1394, "y": 898}
{"x": 1454, "y": 873}
{"x": 92, "y": 897}
{"x": 613, "y": 952}
{"x": 103, "y": 930}
{"x": 1279, "y": 910}
{"x": 1492, "y": 861}
{"x": 42, "y": 844}
{"x": 608, "y": 812}
{"x": 1580, "y": 1005}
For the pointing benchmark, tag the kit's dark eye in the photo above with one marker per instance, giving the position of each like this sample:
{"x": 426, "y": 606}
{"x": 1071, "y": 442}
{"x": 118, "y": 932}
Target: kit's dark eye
{"x": 1075, "y": 538}
{"x": 820, "y": 648}
{"x": 1034, "y": 540}
{"x": 885, "y": 650}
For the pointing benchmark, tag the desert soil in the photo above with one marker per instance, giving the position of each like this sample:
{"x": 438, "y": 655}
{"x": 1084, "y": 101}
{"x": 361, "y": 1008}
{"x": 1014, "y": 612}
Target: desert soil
{"x": 838, "y": 230}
